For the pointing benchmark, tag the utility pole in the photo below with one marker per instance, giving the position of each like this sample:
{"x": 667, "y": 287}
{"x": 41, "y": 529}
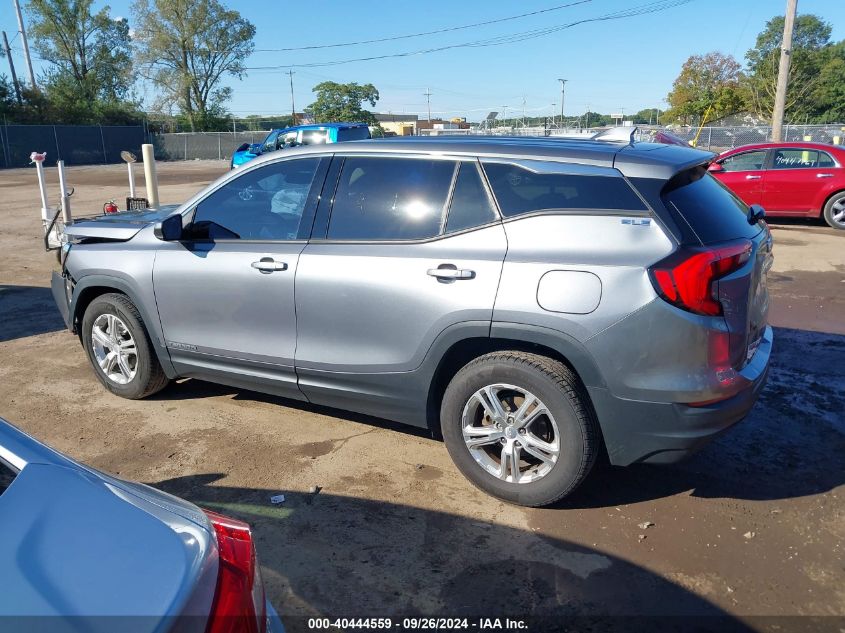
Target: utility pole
{"x": 12, "y": 67}
{"x": 26, "y": 56}
{"x": 554, "y": 105}
{"x": 562, "y": 94}
{"x": 291, "y": 73}
{"x": 427, "y": 95}
{"x": 523, "y": 111}
{"x": 783, "y": 71}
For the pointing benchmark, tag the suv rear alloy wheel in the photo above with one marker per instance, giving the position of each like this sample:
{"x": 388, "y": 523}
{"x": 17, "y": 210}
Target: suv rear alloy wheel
{"x": 518, "y": 426}
{"x": 119, "y": 348}
{"x": 510, "y": 433}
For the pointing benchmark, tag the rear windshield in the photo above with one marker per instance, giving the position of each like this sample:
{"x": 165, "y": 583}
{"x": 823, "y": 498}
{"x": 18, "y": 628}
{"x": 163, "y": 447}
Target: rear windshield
{"x": 353, "y": 134}
{"x": 711, "y": 209}
{"x": 6, "y": 477}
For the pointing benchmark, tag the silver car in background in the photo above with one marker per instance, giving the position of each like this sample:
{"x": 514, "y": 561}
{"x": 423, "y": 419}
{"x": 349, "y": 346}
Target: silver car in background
{"x": 83, "y": 551}
{"x": 539, "y": 301}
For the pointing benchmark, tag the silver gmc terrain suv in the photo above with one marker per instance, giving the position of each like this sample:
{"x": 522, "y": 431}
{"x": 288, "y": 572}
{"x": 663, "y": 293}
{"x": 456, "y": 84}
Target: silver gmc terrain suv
{"x": 539, "y": 301}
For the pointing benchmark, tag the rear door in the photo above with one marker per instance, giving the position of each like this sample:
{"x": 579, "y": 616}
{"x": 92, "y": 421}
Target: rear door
{"x": 794, "y": 179}
{"x": 744, "y": 173}
{"x": 413, "y": 246}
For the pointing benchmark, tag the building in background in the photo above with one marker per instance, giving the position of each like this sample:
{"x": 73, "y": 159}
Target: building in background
{"x": 398, "y": 124}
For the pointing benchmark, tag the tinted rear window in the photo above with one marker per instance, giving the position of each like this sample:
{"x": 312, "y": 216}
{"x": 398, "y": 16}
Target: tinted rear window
{"x": 710, "y": 208}
{"x": 7, "y": 475}
{"x": 519, "y": 190}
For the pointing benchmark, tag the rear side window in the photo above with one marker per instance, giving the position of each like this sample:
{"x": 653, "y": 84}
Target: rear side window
{"x": 711, "y": 209}
{"x": 390, "y": 198}
{"x": 7, "y": 475}
{"x": 520, "y": 190}
{"x": 471, "y": 205}
{"x": 795, "y": 159}
{"x": 826, "y": 161}
{"x": 314, "y": 137}
{"x": 353, "y": 134}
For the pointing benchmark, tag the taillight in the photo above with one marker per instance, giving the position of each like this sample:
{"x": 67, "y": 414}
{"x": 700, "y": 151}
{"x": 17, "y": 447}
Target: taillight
{"x": 687, "y": 277}
{"x": 239, "y": 598}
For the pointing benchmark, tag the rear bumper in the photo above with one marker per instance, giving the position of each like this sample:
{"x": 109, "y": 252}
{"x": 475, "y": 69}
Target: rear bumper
{"x": 655, "y": 432}
{"x": 60, "y": 296}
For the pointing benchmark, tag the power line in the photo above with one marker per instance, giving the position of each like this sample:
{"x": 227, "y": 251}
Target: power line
{"x": 424, "y": 33}
{"x": 651, "y": 7}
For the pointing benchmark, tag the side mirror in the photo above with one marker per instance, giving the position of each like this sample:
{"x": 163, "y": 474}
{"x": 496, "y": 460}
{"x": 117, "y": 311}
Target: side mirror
{"x": 715, "y": 167}
{"x": 756, "y": 213}
{"x": 169, "y": 229}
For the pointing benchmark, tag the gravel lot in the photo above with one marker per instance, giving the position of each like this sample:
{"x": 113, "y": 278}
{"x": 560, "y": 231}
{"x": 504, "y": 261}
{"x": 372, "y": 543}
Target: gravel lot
{"x": 752, "y": 526}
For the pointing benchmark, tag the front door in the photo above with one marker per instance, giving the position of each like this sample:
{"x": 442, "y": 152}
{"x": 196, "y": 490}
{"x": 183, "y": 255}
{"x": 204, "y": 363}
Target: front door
{"x": 225, "y": 293}
{"x": 413, "y": 246}
{"x": 744, "y": 175}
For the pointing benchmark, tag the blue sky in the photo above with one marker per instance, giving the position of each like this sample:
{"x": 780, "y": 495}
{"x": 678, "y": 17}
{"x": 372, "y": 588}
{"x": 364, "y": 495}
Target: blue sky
{"x": 611, "y": 65}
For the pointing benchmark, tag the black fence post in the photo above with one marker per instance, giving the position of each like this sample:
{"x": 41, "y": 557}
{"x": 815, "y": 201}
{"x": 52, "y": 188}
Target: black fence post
{"x": 103, "y": 141}
{"x": 56, "y": 137}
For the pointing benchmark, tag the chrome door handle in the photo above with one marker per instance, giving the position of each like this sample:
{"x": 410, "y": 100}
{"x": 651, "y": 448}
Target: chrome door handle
{"x": 752, "y": 177}
{"x": 268, "y": 265}
{"x": 824, "y": 175}
{"x": 451, "y": 273}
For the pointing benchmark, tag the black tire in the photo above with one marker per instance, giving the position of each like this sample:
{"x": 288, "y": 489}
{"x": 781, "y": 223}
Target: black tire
{"x": 149, "y": 376}
{"x": 835, "y": 199}
{"x": 563, "y": 395}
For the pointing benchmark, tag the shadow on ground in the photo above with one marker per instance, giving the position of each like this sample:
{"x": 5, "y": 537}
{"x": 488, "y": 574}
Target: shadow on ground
{"x": 398, "y": 560}
{"x": 791, "y": 445}
{"x": 27, "y": 311}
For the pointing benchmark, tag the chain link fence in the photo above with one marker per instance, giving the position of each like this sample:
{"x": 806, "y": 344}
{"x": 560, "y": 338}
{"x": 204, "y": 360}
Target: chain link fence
{"x": 716, "y": 139}
{"x": 719, "y": 139}
{"x": 221, "y": 145}
{"x": 75, "y": 144}
{"x": 203, "y": 145}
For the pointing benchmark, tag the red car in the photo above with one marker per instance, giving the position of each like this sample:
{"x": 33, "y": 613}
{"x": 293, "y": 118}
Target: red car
{"x": 788, "y": 179}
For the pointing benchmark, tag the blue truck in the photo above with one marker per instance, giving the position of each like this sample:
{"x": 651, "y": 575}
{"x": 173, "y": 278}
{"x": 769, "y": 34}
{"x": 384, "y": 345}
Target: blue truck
{"x": 314, "y": 134}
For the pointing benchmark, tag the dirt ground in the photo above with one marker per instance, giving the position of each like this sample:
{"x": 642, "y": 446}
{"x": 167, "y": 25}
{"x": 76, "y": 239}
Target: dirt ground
{"x": 751, "y": 529}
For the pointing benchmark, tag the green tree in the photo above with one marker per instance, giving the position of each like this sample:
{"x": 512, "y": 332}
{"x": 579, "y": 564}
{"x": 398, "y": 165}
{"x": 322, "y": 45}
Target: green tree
{"x": 343, "y": 102}
{"x": 89, "y": 58}
{"x": 810, "y": 41}
{"x": 709, "y": 82}
{"x": 829, "y": 93}
{"x": 187, "y": 48}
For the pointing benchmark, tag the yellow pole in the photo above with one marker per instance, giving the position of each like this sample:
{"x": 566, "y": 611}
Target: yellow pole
{"x": 694, "y": 142}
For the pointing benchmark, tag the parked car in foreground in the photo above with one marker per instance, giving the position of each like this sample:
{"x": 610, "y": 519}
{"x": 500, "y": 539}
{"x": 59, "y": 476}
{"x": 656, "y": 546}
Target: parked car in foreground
{"x": 316, "y": 134}
{"x": 540, "y": 301}
{"x": 788, "y": 179}
{"x": 83, "y": 551}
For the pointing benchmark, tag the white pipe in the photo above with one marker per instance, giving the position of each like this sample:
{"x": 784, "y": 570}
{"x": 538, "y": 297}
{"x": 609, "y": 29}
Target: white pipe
{"x": 42, "y": 185}
{"x": 65, "y": 201}
{"x": 150, "y": 175}
{"x": 131, "y": 180}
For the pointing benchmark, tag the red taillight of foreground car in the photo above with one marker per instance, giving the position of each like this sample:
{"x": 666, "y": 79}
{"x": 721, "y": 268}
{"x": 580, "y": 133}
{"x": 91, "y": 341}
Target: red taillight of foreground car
{"x": 239, "y": 598}
{"x": 686, "y": 278}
